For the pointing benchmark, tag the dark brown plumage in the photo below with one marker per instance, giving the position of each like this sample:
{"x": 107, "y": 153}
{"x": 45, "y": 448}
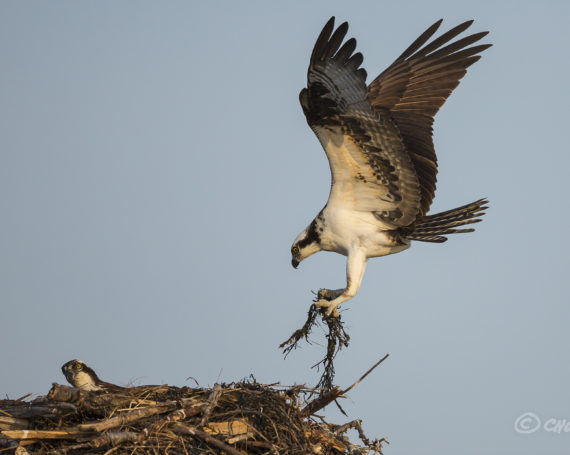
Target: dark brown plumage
{"x": 414, "y": 88}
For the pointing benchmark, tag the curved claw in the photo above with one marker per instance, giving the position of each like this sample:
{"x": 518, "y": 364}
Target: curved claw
{"x": 329, "y": 294}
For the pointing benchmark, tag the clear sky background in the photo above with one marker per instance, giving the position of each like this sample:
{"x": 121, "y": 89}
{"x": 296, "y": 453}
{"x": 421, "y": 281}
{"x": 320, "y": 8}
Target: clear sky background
{"x": 156, "y": 167}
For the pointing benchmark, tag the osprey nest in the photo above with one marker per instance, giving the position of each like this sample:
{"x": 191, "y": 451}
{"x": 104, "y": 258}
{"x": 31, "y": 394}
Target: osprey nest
{"x": 236, "y": 419}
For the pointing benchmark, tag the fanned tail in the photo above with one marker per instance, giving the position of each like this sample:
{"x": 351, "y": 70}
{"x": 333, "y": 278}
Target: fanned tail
{"x": 434, "y": 228}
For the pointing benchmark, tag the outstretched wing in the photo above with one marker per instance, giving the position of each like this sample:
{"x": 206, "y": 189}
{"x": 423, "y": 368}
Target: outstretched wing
{"x": 371, "y": 170}
{"x": 416, "y": 85}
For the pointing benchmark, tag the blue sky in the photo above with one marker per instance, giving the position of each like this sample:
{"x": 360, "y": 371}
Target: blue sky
{"x": 156, "y": 167}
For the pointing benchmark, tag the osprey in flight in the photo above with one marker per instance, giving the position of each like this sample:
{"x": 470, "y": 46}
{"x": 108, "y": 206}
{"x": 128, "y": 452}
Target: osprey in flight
{"x": 378, "y": 140}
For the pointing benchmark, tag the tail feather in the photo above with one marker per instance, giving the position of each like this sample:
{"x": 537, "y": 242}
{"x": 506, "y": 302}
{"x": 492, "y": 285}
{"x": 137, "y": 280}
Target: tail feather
{"x": 434, "y": 228}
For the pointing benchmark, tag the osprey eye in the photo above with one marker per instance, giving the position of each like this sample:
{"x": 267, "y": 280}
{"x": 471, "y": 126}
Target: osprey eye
{"x": 77, "y": 366}
{"x": 295, "y": 250}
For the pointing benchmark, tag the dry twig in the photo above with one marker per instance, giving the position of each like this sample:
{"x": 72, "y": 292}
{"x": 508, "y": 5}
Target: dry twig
{"x": 334, "y": 393}
{"x": 337, "y": 338}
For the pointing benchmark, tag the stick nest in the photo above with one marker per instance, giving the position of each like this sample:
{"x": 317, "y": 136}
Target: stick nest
{"x": 236, "y": 419}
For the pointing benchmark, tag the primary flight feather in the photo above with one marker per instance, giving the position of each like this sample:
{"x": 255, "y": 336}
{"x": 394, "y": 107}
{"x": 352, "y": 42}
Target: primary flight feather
{"x": 378, "y": 140}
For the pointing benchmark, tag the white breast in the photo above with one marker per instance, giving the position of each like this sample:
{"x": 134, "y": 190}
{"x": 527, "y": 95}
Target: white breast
{"x": 347, "y": 229}
{"x": 85, "y": 382}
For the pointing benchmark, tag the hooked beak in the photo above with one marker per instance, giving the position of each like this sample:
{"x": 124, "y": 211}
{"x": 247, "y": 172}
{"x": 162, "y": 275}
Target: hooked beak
{"x": 295, "y": 263}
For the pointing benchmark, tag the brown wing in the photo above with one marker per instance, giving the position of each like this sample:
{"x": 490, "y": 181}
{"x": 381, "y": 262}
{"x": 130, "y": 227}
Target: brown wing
{"x": 416, "y": 85}
{"x": 370, "y": 166}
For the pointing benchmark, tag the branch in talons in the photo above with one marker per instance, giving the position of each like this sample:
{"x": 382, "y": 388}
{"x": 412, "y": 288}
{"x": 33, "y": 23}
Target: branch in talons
{"x": 337, "y": 338}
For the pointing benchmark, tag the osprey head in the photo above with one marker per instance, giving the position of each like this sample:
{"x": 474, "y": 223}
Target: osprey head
{"x": 80, "y": 375}
{"x": 307, "y": 244}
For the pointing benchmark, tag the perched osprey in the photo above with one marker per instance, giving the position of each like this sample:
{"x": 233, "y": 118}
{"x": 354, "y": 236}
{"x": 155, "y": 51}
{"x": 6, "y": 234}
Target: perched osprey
{"x": 378, "y": 140}
{"x": 79, "y": 375}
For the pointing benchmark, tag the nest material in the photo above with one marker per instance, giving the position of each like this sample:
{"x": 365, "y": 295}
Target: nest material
{"x": 337, "y": 338}
{"x": 236, "y": 419}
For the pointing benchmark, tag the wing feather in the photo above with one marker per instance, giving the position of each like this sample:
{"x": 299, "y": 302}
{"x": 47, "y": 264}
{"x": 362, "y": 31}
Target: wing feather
{"x": 414, "y": 88}
{"x": 346, "y": 51}
{"x": 378, "y": 139}
{"x": 371, "y": 170}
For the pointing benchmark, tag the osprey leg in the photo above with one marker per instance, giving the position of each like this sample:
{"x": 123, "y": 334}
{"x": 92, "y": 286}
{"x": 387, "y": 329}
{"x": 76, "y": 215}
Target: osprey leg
{"x": 355, "y": 266}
